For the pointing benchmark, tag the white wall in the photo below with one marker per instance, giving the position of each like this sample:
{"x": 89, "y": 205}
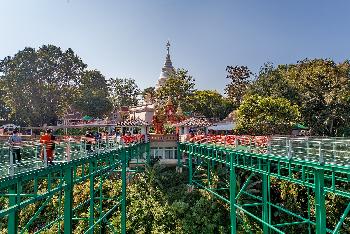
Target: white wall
{"x": 146, "y": 116}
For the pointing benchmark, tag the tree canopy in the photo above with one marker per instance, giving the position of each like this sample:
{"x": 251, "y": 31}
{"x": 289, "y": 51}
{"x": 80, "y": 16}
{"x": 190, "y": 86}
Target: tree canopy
{"x": 210, "y": 104}
{"x": 149, "y": 94}
{"x": 92, "y": 98}
{"x": 266, "y": 115}
{"x": 39, "y": 85}
{"x": 240, "y": 78}
{"x": 123, "y": 92}
{"x": 320, "y": 88}
{"x": 180, "y": 87}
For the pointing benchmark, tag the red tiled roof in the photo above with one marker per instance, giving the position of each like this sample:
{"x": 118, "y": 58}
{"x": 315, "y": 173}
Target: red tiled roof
{"x": 132, "y": 123}
{"x": 194, "y": 122}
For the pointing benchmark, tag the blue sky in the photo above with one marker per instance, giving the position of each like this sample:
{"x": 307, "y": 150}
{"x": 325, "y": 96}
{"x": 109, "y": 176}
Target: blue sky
{"x": 127, "y": 38}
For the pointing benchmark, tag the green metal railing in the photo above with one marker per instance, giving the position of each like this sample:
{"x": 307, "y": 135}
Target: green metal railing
{"x": 33, "y": 154}
{"x": 318, "y": 178}
{"x": 39, "y": 189}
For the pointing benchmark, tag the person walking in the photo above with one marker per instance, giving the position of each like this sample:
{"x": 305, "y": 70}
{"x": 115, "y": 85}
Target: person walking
{"x": 49, "y": 141}
{"x": 15, "y": 142}
{"x": 89, "y": 140}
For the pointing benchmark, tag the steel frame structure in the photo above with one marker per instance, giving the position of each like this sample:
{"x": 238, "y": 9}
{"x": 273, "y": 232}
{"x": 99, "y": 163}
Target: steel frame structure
{"x": 318, "y": 178}
{"x": 38, "y": 187}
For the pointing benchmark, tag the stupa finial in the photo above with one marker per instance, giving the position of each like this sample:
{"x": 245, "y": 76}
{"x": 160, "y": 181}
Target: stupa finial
{"x": 168, "y": 46}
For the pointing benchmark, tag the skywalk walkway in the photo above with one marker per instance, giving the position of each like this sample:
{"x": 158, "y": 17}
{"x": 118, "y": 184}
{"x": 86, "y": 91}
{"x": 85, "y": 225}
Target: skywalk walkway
{"x": 32, "y": 158}
{"x": 38, "y": 198}
{"x": 318, "y": 166}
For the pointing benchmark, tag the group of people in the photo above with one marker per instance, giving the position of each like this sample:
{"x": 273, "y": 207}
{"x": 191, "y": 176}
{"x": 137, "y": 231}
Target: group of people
{"x": 48, "y": 143}
{"x": 47, "y": 140}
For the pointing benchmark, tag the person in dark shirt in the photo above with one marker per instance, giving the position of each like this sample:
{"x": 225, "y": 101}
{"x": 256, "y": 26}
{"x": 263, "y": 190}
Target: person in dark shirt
{"x": 15, "y": 142}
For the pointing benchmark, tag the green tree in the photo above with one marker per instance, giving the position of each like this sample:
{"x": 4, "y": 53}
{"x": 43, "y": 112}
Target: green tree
{"x": 123, "y": 92}
{"x": 272, "y": 82}
{"x": 4, "y": 110}
{"x": 179, "y": 87}
{"x": 211, "y": 104}
{"x": 266, "y": 115}
{"x": 92, "y": 96}
{"x": 239, "y": 82}
{"x": 320, "y": 88}
{"x": 41, "y": 82}
{"x": 149, "y": 94}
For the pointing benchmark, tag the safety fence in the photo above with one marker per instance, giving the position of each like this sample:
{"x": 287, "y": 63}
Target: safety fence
{"x": 316, "y": 149}
{"x": 34, "y": 155}
{"x": 51, "y": 200}
{"x": 246, "y": 184}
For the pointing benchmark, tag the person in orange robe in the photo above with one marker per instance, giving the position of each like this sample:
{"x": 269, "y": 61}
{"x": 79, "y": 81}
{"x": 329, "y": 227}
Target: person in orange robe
{"x": 48, "y": 140}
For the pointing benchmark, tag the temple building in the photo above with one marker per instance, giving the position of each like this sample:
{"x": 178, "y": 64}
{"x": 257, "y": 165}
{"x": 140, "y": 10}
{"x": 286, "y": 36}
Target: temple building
{"x": 146, "y": 110}
{"x": 167, "y": 69}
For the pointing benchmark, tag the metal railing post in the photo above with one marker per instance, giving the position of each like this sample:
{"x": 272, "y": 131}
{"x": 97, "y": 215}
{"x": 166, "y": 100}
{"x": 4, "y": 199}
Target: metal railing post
{"x": 11, "y": 169}
{"x": 320, "y": 202}
{"x": 124, "y": 154}
{"x": 321, "y": 158}
{"x": 265, "y": 197}
{"x": 45, "y": 155}
{"x": 190, "y": 166}
{"x": 68, "y": 200}
{"x": 179, "y": 157}
{"x": 92, "y": 196}
{"x": 68, "y": 152}
{"x": 233, "y": 194}
{"x": 13, "y": 216}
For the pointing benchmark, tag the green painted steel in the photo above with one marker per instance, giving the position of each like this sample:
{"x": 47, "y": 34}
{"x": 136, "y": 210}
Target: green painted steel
{"x": 178, "y": 155}
{"x": 320, "y": 202}
{"x": 233, "y": 217}
{"x": 13, "y": 216}
{"x": 265, "y": 200}
{"x": 38, "y": 187}
{"x": 68, "y": 200}
{"x": 319, "y": 176}
{"x": 124, "y": 154}
{"x": 92, "y": 166}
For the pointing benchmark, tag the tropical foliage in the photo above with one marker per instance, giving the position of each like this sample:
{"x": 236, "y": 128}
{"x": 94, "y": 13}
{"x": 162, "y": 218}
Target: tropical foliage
{"x": 210, "y": 104}
{"x": 266, "y": 115}
{"x": 240, "y": 78}
{"x": 123, "y": 92}
{"x": 92, "y": 95}
{"x": 41, "y": 82}
{"x": 320, "y": 88}
{"x": 149, "y": 95}
{"x": 159, "y": 201}
{"x": 179, "y": 87}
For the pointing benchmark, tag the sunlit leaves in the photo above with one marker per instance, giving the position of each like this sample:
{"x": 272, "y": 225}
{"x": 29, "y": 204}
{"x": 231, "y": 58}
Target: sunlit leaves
{"x": 266, "y": 115}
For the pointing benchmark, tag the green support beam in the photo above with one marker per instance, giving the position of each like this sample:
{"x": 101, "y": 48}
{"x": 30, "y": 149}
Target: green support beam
{"x": 13, "y": 216}
{"x": 190, "y": 169}
{"x": 320, "y": 202}
{"x": 92, "y": 195}
{"x": 124, "y": 155}
{"x": 179, "y": 157}
{"x": 321, "y": 177}
{"x": 233, "y": 217}
{"x": 68, "y": 200}
{"x": 59, "y": 180}
{"x": 265, "y": 198}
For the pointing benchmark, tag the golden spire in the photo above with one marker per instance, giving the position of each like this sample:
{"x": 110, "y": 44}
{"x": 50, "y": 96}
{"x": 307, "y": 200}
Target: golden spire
{"x": 169, "y": 102}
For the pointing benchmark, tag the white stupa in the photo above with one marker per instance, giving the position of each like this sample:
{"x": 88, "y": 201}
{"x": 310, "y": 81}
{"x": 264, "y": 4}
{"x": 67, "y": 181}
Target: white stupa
{"x": 166, "y": 70}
